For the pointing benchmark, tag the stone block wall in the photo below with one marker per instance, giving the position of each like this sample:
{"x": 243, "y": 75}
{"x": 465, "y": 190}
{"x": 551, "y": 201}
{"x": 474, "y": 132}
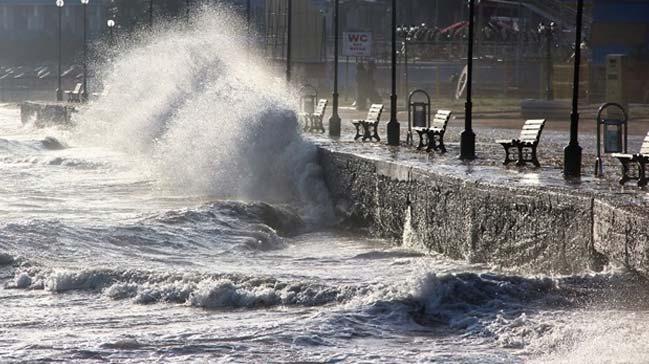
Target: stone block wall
{"x": 533, "y": 229}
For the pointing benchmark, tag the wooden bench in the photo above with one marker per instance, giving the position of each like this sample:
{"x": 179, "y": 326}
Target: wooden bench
{"x": 525, "y": 145}
{"x": 639, "y": 159}
{"x": 372, "y": 121}
{"x": 435, "y": 133}
{"x": 74, "y": 95}
{"x": 314, "y": 121}
{"x": 103, "y": 93}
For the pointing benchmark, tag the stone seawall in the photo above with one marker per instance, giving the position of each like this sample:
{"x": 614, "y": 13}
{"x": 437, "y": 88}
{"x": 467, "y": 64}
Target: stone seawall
{"x": 533, "y": 229}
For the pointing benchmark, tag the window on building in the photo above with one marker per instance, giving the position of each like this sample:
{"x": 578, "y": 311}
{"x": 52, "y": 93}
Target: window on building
{"x": 36, "y": 19}
{"x": 5, "y": 15}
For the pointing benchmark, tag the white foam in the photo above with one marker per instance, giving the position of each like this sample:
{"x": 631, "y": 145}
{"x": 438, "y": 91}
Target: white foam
{"x": 62, "y": 280}
{"x": 224, "y": 293}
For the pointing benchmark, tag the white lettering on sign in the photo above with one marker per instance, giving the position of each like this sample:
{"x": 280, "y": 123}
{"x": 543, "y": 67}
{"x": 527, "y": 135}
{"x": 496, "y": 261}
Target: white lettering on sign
{"x": 357, "y": 44}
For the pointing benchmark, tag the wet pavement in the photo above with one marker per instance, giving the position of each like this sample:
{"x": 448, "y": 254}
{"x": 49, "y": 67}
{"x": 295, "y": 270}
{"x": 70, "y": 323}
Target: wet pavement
{"x": 488, "y": 167}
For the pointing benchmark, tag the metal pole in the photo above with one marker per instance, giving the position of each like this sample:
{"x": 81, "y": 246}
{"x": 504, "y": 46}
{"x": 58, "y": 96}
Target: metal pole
{"x": 467, "y": 138}
{"x": 393, "y": 125}
{"x": 59, "y": 91}
{"x": 549, "y": 92}
{"x": 572, "y": 153}
{"x": 437, "y": 13}
{"x": 334, "y": 121}
{"x": 150, "y": 13}
{"x": 323, "y": 56}
{"x": 289, "y": 22}
{"x": 85, "y": 52}
{"x": 187, "y": 10}
{"x": 405, "y": 61}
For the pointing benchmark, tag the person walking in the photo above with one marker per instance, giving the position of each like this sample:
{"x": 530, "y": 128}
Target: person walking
{"x": 372, "y": 93}
{"x": 361, "y": 87}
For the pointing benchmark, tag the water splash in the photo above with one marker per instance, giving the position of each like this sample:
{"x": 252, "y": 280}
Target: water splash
{"x": 202, "y": 114}
{"x": 410, "y": 239}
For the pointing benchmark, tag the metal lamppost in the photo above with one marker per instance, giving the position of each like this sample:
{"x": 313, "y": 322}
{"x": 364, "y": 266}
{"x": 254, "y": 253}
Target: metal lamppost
{"x": 572, "y": 153}
{"x": 111, "y": 24}
{"x": 548, "y": 32}
{"x": 289, "y": 35}
{"x": 334, "y": 121}
{"x": 408, "y": 34}
{"x": 393, "y": 125}
{"x": 467, "y": 138}
{"x": 84, "y": 3}
{"x": 59, "y": 91}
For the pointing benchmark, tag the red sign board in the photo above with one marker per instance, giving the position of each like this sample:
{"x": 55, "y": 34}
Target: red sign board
{"x": 357, "y": 44}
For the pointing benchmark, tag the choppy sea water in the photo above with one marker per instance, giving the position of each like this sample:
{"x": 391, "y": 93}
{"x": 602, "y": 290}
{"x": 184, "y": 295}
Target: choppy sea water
{"x": 184, "y": 219}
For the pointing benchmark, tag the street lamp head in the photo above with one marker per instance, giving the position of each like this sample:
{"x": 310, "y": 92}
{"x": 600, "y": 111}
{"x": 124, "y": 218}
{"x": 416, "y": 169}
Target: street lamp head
{"x": 59, "y": 3}
{"x": 110, "y": 23}
{"x": 541, "y": 28}
{"x": 85, "y": 2}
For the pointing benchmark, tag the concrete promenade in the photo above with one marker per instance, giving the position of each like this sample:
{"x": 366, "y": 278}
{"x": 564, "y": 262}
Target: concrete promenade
{"x": 524, "y": 218}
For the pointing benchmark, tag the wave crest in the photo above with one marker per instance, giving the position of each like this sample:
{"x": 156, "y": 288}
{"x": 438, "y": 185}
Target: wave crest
{"x": 214, "y": 291}
{"x": 220, "y": 124}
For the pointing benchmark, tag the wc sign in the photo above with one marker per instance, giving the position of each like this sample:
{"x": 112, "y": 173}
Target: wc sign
{"x": 357, "y": 44}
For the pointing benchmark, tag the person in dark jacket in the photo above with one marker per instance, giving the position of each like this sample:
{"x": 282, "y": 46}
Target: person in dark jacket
{"x": 372, "y": 93}
{"x": 361, "y": 87}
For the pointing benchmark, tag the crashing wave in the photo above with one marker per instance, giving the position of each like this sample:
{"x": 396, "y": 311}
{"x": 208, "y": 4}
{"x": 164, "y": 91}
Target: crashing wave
{"x": 224, "y": 227}
{"x": 209, "y": 291}
{"x": 285, "y": 221}
{"x": 219, "y": 124}
{"x": 51, "y": 143}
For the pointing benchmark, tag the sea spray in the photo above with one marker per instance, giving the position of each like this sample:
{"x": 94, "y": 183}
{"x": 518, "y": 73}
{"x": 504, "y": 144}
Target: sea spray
{"x": 410, "y": 239}
{"x": 202, "y": 115}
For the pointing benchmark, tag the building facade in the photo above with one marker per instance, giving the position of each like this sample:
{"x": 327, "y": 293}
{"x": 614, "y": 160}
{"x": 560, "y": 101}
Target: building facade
{"x": 28, "y": 28}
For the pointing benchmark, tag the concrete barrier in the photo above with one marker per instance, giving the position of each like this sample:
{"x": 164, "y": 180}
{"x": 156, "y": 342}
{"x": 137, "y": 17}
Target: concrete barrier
{"x": 532, "y": 229}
